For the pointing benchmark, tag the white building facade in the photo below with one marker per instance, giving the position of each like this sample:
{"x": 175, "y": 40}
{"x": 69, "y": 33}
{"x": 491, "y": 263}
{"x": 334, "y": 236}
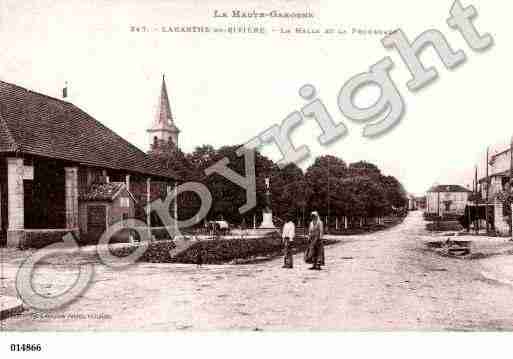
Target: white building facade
{"x": 447, "y": 199}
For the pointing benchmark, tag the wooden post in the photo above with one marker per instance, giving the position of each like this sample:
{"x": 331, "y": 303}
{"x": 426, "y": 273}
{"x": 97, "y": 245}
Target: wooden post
{"x": 148, "y": 206}
{"x": 304, "y": 222}
{"x": 175, "y": 206}
{"x": 127, "y": 182}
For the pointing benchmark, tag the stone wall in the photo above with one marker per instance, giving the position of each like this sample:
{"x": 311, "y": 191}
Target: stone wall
{"x": 15, "y": 202}
{"x": 3, "y": 201}
{"x": 71, "y": 188}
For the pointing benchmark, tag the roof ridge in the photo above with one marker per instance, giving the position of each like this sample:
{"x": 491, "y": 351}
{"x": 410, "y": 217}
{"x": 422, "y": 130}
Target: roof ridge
{"x": 448, "y": 188}
{"x": 36, "y": 92}
{"x": 47, "y": 117}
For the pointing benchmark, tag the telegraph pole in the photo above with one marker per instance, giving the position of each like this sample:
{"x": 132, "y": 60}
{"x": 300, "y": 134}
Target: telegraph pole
{"x": 510, "y": 185}
{"x": 476, "y": 201}
{"x": 328, "y": 220}
{"x": 438, "y": 201}
{"x": 487, "y": 190}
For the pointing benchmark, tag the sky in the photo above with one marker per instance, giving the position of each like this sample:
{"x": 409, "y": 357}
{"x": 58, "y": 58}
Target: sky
{"x": 227, "y": 88}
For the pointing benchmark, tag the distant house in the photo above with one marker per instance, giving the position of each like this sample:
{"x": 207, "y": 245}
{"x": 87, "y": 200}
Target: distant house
{"x": 416, "y": 202}
{"x": 420, "y": 202}
{"x": 412, "y": 203}
{"x": 63, "y": 171}
{"x": 447, "y": 199}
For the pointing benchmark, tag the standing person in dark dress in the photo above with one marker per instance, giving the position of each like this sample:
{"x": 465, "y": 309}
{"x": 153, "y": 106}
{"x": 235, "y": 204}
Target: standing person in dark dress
{"x": 316, "y": 247}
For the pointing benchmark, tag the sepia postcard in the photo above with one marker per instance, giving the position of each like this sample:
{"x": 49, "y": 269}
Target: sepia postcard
{"x": 292, "y": 167}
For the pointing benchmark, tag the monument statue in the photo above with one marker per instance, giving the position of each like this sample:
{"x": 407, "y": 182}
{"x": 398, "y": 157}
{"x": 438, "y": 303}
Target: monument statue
{"x": 267, "y": 214}
{"x": 267, "y": 208}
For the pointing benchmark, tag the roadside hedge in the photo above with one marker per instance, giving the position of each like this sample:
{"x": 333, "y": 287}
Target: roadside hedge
{"x": 215, "y": 251}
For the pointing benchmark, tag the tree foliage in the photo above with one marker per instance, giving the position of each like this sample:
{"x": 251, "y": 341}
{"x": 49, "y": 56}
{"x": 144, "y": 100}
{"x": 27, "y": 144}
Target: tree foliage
{"x": 357, "y": 190}
{"x": 329, "y": 186}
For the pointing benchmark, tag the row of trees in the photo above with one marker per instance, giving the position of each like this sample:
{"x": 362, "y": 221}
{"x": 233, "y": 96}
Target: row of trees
{"x": 330, "y": 186}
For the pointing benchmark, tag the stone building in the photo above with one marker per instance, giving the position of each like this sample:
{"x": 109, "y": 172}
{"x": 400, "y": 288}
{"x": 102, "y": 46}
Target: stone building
{"x": 416, "y": 202}
{"x": 53, "y": 156}
{"x": 412, "y": 204}
{"x": 447, "y": 199}
{"x": 499, "y": 171}
{"x": 499, "y": 180}
{"x": 103, "y": 205}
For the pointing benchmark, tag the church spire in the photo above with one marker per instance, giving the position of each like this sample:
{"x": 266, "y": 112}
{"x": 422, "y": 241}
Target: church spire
{"x": 164, "y": 115}
{"x": 163, "y": 130}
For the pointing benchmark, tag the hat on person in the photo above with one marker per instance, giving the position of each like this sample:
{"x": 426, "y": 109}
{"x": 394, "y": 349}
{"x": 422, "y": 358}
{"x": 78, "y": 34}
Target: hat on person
{"x": 315, "y": 213}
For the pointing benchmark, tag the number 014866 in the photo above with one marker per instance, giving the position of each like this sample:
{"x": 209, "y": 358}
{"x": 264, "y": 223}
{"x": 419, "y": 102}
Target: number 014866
{"x": 26, "y": 347}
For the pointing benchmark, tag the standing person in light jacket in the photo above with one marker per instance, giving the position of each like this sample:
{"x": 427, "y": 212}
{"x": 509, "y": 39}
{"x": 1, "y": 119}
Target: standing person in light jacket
{"x": 288, "y": 234}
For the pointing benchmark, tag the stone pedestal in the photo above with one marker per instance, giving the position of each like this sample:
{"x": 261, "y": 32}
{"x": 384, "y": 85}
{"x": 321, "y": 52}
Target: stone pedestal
{"x": 267, "y": 221}
{"x": 15, "y": 202}
{"x": 501, "y": 222}
{"x": 71, "y": 184}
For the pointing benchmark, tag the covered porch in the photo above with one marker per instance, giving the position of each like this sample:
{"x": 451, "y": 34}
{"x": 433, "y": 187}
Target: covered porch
{"x": 39, "y": 197}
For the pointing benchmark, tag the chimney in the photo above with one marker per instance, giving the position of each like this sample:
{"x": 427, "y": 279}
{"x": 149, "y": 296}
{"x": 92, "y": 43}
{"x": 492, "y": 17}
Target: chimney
{"x": 65, "y": 91}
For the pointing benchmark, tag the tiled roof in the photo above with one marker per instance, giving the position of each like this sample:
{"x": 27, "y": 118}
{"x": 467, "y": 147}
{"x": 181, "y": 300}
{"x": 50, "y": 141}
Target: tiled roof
{"x": 37, "y": 124}
{"x": 103, "y": 191}
{"x": 448, "y": 188}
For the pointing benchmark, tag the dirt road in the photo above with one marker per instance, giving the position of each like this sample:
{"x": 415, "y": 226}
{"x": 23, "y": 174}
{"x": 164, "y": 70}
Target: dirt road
{"x": 379, "y": 281}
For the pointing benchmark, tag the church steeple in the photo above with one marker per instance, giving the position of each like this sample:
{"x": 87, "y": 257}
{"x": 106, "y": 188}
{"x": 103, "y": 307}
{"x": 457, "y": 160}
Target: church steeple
{"x": 163, "y": 130}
